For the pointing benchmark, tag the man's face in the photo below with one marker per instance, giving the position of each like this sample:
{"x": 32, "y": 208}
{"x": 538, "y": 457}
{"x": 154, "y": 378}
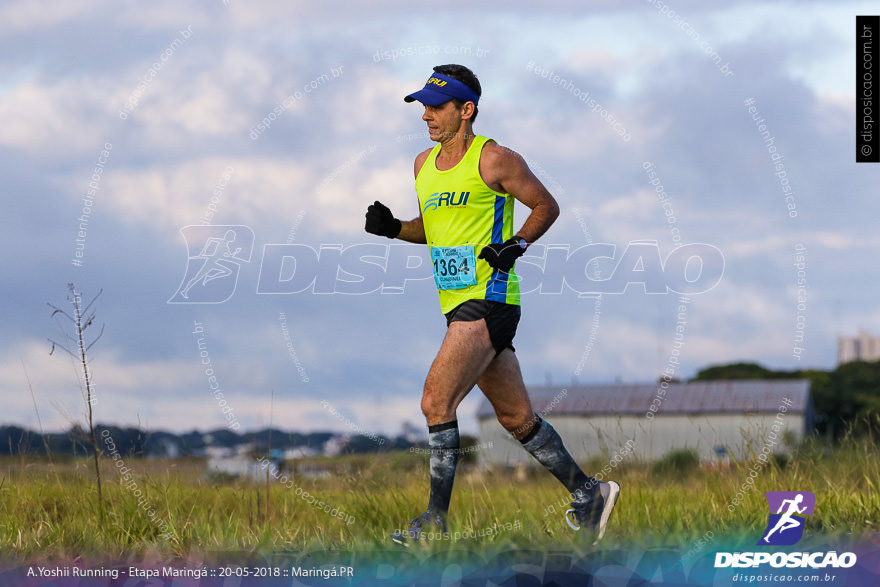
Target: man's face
{"x": 443, "y": 120}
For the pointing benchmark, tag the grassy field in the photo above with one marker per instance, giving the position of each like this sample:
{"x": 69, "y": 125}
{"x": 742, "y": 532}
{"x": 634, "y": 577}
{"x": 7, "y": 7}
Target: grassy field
{"x": 51, "y": 511}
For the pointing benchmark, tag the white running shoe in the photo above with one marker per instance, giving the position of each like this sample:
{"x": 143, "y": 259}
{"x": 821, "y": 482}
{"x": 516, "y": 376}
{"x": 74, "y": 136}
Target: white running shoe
{"x": 596, "y": 511}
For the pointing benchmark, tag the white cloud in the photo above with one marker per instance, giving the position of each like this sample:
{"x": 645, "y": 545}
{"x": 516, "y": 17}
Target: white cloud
{"x": 55, "y": 120}
{"x": 22, "y": 15}
{"x": 167, "y": 198}
{"x": 123, "y": 390}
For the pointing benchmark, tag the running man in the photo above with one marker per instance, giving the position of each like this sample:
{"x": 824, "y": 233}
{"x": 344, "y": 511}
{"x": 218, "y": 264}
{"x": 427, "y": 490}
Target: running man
{"x": 786, "y": 521}
{"x": 466, "y": 187}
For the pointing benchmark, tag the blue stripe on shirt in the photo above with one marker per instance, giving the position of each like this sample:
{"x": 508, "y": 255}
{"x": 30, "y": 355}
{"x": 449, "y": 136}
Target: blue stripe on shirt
{"x": 496, "y": 288}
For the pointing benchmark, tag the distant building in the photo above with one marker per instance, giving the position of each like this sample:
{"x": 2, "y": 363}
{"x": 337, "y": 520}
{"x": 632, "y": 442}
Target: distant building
{"x": 717, "y": 419}
{"x": 335, "y": 444}
{"x": 242, "y": 466}
{"x": 300, "y": 452}
{"x": 240, "y": 462}
{"x": 862, "y": 347}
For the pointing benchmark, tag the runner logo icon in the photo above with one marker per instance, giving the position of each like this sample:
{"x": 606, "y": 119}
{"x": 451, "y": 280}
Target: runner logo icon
{"x": 786, "y": 524}
{"x": 214, "y": 258}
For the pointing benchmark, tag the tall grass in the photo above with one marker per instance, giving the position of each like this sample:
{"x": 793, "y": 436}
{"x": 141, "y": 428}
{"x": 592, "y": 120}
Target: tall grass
{"x": 40, "y": 516}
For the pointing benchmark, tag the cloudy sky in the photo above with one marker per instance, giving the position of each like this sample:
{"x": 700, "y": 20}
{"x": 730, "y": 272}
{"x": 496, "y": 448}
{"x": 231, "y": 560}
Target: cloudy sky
{"x": 124, "y": 123}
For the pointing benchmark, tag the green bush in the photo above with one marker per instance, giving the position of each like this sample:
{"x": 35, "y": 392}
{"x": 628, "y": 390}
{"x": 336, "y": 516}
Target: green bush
{"x": 679, "y": 462}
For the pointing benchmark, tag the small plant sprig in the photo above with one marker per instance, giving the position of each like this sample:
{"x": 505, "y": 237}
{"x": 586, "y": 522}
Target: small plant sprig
{"x": 82, "y": 320}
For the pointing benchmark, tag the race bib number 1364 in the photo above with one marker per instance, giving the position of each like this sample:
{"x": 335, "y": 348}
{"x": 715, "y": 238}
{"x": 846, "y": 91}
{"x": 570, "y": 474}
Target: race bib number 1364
{"x": 454, "y": 267}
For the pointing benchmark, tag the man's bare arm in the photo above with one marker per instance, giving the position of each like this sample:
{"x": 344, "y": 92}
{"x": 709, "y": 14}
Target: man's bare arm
{"x": 413, "y": 231}
{"x": 506, "y": 171}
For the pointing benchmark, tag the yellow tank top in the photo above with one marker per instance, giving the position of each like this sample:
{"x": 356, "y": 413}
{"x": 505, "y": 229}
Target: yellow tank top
{"x": 462, "y": 214}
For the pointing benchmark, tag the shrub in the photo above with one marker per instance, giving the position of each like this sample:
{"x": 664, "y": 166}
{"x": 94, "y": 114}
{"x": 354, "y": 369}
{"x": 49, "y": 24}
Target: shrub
{"x": 681, "y": 462}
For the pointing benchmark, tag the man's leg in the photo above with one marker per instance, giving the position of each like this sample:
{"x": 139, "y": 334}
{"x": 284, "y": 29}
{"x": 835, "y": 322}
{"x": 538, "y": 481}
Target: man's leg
{"x": 502, "y": 383}
{"x": 465, "y": 353}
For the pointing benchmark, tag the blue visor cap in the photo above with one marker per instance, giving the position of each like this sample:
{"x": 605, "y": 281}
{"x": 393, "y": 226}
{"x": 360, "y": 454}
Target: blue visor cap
{"x": 441, "y": 88}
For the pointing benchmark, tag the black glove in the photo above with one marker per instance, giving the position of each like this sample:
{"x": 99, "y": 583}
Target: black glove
{"x": 380, "y": 221}
{"x": 502, "y": 256}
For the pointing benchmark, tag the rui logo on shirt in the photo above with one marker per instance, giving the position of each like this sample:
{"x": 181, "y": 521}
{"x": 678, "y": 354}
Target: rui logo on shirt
{"x": 438, "y": 199}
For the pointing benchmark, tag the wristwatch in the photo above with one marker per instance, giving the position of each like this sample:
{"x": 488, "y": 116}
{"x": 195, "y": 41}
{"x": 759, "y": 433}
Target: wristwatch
{"x": 521, "y": 242}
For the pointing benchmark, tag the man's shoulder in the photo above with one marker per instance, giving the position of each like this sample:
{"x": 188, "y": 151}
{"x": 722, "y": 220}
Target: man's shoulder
{"x": 424, "y": 155}
{"x": 493, "y": 153}
{"x": 498, "y": 157}
{"x": 420, "y": 160}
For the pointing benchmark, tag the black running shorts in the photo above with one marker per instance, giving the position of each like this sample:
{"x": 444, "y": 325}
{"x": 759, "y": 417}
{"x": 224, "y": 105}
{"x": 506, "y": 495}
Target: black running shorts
{"x": 501, "y": 320}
